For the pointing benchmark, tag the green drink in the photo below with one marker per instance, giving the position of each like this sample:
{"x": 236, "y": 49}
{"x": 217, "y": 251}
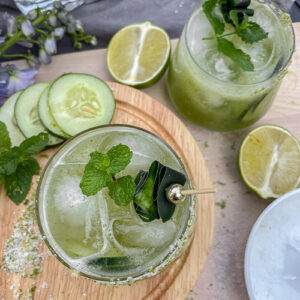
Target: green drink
{"x": 210, "y": 89}
{"x": 93, "y": 235}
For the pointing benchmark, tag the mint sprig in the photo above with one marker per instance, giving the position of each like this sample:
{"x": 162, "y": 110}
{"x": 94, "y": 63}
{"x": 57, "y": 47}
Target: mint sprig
{"x": 236, "y": 13}
{"x": 17, "y": 166}
{"x": 101, "y": 171}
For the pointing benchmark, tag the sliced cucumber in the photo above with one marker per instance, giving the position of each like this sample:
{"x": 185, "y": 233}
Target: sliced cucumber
{"x": 26, "y": 113}
{"x": 46, "y": 117}
{"x": 80, "y": 101}
{"x": 7, "y": 116}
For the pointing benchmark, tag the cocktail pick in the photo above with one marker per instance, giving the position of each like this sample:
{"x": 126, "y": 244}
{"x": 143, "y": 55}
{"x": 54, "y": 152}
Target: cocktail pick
{"x": 177, "y": 194}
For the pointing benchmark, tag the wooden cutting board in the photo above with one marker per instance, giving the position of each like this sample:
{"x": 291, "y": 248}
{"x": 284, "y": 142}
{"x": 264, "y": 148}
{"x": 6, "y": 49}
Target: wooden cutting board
{"x": 136, "y": 108}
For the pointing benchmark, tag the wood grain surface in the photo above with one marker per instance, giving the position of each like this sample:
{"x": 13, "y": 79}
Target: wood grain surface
{"x": 135, "y": 108}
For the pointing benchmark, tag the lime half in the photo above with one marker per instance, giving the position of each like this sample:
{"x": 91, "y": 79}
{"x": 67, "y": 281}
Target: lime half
{"x": 269, "y": 161}
{"x": 138, "y": 54}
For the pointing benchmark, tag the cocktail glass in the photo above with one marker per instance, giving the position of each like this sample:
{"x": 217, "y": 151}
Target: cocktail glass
{"x": 210, "y": 90}
{"x": 100, "y": 240}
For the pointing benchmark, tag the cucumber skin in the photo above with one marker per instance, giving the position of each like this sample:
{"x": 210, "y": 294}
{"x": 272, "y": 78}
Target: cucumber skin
{"x": 83, "y": 74}
{"x": 17, "y": 136}
{"x": 49, "y": 130}
{"x": 49, "y": 145}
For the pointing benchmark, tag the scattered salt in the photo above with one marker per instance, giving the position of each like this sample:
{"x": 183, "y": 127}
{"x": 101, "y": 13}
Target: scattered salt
{"x": 21, "y": 250}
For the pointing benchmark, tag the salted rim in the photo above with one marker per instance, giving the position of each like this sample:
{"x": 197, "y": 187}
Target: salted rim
{"x": 177, "y": 247}
{"x": 276, "y": 9}
{"x": 254, "y": 230}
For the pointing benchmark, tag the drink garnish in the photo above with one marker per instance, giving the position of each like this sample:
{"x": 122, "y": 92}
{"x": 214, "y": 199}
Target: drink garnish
{"x": 17, "y": 166}
{"x": 150, "y": 198}
{"x": 147, "y": 191}
{"x": 101, "y": 170}
{"x": 236, "y": 13}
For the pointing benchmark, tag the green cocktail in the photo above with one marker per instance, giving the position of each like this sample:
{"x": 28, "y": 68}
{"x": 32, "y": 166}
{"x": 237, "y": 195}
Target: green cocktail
{"x": 93, "y": 235}
{"x": 210, "y": 89}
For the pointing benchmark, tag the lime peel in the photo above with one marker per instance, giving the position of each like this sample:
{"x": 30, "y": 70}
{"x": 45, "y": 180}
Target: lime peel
{"x": 138, "y": 54}
{"x": 269, "y": 161}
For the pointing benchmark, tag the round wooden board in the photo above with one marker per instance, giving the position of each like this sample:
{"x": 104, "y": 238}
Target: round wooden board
{"x": 135, "y": 108}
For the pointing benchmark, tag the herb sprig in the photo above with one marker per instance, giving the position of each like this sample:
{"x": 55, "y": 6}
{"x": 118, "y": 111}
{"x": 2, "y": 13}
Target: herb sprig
{"x": 236, "y": 13}
{"x": 101, "y": 170}
{"x": 17, "y": 166}
{"x": 147, "y": 191}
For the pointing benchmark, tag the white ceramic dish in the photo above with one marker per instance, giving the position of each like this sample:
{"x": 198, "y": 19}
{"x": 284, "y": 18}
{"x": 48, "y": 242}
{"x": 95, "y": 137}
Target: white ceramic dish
{"x": 272, "y": 259}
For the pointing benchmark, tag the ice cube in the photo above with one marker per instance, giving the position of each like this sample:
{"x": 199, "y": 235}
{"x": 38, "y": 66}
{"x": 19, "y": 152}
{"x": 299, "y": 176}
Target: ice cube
{"x": 155, "y": 234}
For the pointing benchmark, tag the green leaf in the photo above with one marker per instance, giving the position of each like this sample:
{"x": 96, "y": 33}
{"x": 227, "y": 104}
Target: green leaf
{"x": 234, "y": 17}
{"x": 99, "y": 161}
{"x": 93, "y": 180}
{"x": 213, "y": 18}
{"x": 18, "y": 184}
{"x": 120, "y": 156}
{"x": 168, "y": 177}
{"x": 34, "y": 144}
{"x": 9, "y": 161}
{"x": 122, "y": 190}
{"x": 252, "y": 33}
{"x": 238, "y": 56}
{"x": 31, "y": 165}
{"x": 5, "y": 142}
{"x": 1, "y": 179}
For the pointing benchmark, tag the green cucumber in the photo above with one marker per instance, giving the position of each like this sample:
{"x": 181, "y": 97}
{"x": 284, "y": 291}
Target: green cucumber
{"x": 46, "y": 117}
{"x": 7, "y": 116}
{"x": 120, "y": 263}
{"x": 80, "y": 101}
{"x": 26, "y": 113}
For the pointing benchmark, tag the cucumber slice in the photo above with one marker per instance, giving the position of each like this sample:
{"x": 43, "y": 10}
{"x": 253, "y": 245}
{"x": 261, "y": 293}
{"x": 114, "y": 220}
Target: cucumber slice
{"x": 26, "y": 113}
{"x": 46, "y": 117}
{"x": 80, "y": 101}
{"x": 112, "y": 263}
{"x": 7, "y": 116}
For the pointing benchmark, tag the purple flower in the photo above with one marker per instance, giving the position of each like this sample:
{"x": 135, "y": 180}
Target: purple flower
{"x": 4, "y": 78}
{"x": 25, "y": 44}
{"x": 50, "y": 45}
{"x": 52, "y": 20}
{"x": 44, "y": 57}
{"x": 33, "y": 61}
{"x": 2, "y": 40}
{"x": 32, "y": 14}
{"x": 19, "y": 79}
{"x": 10, "y": 24}
{"x": 59, "y": 32}
{"x": 13, "y": 80}
{"x": 27, "y": 28}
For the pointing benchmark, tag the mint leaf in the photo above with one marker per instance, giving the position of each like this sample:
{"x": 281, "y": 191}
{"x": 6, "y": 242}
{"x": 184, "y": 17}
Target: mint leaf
{"x": 252, "y": 33}
{"x": 120, "y": 156}
{"x": 213, "y": 18}
{"x": 5, "y": 142}
{"x": 34, "y": 144}
{"x": 238, "y": 56}
{"x": 234, "y": 17}
{"x": 99, "y": 161}
{"x": 122, "y": 190}
{"x": 93, "y": 180}
{"x": 18, "y": 184}
{"x": 1, "y": 179}
{"x": 9, "y": 161}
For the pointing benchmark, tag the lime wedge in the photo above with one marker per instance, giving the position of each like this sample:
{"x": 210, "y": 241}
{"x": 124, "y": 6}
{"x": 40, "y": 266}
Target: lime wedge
{"x": 269, "y": 161}
{"x": 138, "y": 54}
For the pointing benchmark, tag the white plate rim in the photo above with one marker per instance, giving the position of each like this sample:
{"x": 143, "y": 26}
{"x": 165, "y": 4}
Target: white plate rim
{"x": 252, "y": 235}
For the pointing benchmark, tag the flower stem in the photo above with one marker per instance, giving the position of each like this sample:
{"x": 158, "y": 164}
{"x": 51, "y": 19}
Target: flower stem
{"x": 31, "y": 41}
{"x": 14, "y": 55}
{"x": 18, "y": 35}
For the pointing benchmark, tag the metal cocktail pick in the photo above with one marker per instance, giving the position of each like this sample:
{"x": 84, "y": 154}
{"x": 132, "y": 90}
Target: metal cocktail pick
{"x": 177, "y": 194}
